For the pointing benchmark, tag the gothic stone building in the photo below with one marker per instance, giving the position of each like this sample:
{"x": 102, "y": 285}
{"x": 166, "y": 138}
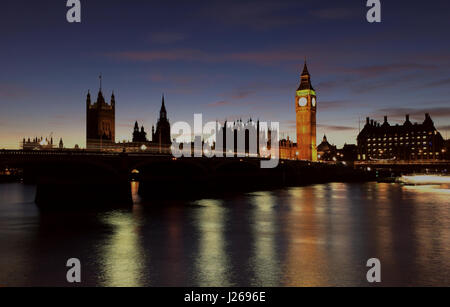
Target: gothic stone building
{"x": 160, "y": 138}
{"x": 100, "y": 122}
{"x": 305, "y": 110}
{"x": 406, "y": 142}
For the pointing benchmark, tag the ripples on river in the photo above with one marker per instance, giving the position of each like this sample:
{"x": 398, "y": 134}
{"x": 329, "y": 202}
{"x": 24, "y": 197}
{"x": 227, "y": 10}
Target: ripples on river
{"x": 318, "y": 235}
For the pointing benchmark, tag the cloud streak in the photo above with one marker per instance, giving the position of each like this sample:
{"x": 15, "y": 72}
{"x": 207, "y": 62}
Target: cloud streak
{"x": 378, "y": 70}
{"x": 336, "y": 128}
{"x": 193, "y": 55}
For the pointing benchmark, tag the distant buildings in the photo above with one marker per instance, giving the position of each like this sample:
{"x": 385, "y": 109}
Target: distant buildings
{"x": 326, "y": 151}
{"x": 446, "y": 150}
{"x": 375, "y": 142}
{"x": 406, "y": 142}
{"x": 348, "y": 153}
{"x": 37, "y": 144}
{"x": 160, "y": 138}
{"x": 41, "y": 144}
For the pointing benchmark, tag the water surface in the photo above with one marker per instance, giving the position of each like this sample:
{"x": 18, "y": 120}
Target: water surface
{"x": 318, "y": 235}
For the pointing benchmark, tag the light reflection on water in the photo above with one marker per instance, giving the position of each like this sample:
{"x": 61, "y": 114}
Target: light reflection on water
{"x": 211, "y": 261}
{"x": 318, "y": 235}
{"x": 122, "y": 255}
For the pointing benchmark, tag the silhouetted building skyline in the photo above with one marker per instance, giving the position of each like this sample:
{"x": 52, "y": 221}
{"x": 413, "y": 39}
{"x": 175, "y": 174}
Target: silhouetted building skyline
{"x": 100, "y": 121}
{"x": 160, "y": 138}
{"x": 406, "y": 142}
{"x": 326, "y": 151}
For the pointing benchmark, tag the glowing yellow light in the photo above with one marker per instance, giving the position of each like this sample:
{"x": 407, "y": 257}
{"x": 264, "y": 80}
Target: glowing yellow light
{"x": 425, "y": 179}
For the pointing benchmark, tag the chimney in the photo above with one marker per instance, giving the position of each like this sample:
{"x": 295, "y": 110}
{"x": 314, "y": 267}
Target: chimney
{"x": 407, "y": 117}
{"x": 385, "y": 119}
{"x": 371, "y": 122}
{"x": 367, "y": 120}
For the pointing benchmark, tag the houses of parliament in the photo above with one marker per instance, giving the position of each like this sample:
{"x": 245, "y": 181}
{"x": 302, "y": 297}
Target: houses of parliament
{"x": 100, "y": 128}
{"x": 375, "y": 141}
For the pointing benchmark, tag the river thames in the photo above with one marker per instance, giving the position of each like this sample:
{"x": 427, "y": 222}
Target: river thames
{"x": 318, "y": 235}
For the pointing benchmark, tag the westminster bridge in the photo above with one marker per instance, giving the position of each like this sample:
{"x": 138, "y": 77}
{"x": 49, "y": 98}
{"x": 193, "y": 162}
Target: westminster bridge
{"x": 103, "y": 178}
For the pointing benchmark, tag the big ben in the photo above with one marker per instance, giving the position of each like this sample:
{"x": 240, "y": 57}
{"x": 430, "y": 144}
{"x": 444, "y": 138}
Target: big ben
{"x": 305, "y": 110}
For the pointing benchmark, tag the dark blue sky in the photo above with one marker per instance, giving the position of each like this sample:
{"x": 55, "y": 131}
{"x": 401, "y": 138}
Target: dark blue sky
{"x": 225, "y": 59}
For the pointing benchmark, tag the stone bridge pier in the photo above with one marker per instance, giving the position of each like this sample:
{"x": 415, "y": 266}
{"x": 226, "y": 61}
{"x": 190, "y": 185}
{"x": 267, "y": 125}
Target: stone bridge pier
{"x": 81, "y": 185}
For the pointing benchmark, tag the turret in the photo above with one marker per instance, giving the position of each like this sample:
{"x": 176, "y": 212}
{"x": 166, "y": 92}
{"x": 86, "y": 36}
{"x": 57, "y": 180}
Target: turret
{"x": 113, "y": 100}
{"x": 428, "y": 121}
{"x": 88, "y": 99}
{"x": 100, "y": 99}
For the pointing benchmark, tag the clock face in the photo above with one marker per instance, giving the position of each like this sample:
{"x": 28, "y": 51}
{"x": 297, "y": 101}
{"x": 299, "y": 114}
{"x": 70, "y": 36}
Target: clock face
{"x": 302, "y": 102}
{"x": 314, "y": 102}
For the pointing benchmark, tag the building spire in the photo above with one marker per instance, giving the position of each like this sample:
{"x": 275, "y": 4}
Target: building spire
{"x": 305, "y": 69}
{"x": 163, "y": 112}
{"x": 100, "y": 78}
{"x": 305, "y": 79}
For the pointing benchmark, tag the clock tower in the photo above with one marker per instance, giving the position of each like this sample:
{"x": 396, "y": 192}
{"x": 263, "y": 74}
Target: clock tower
{"x": 305, "y": 110}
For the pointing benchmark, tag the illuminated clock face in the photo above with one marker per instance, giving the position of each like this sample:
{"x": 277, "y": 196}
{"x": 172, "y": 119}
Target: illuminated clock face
{"x": 314, "y": 102}
{"x": 302, "y": 102}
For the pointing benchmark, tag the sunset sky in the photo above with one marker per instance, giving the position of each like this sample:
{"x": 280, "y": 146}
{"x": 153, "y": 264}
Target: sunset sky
{"x": 225, "y": 59}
